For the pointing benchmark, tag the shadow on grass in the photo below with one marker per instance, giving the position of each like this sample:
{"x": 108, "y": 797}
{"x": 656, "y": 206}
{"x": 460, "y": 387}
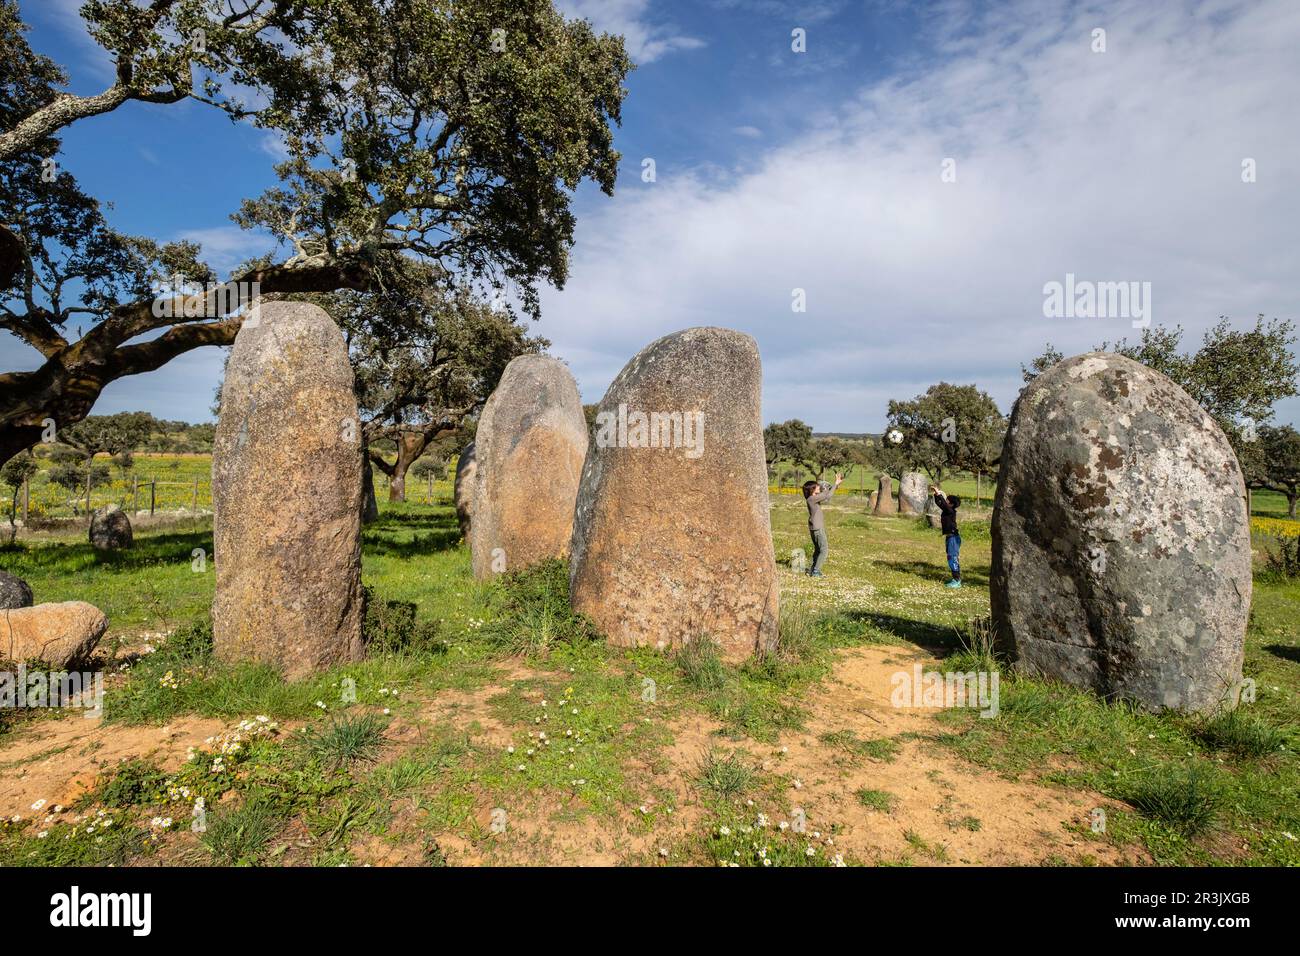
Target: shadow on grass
{"x": 1284, "y": 651}
{"x": 932, "y": 637}
{"x": 147, "y": 551}
{"x": 441, "y": 532}
{"x": 932, "y": 571}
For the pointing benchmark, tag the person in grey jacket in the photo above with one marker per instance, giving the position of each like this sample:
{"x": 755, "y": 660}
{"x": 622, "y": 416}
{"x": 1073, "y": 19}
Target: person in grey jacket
{"x": 815, "y": 493}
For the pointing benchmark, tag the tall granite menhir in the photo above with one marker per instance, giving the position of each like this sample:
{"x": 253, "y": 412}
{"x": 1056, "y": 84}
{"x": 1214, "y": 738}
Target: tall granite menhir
{"x": 1121, "y": 545}
{"x": 287, "y": 496}
{"x": 528, "y": 452}
{"x": 672, "y": 540}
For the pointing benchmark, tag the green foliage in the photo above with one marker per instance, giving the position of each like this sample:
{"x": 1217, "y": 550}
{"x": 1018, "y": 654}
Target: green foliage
{"x": 1240, "y": 734}
{"x": 531, "y": 610}
{"x": 726, "y": 777}
{"x": 884, "y": 749}
{"x": 787, "y": 441}
{"x": 701, "y": 665}
{"x": 132, "y": 783}
{"x": 1236, "y": 376}
{"x": 1186, "y": 799}
{"x": 237, "y": 835}
{"x": 1282, "y": 558}
{"x": 1272, "y": 461}
{"x": 875, "y": 799}
{"x": 949, "y": 428}
{"x": 72, "y": 476}
{"x": 17, "y": 470}
{"x": 344, "y": 741}
{"x": 392, "y": 627}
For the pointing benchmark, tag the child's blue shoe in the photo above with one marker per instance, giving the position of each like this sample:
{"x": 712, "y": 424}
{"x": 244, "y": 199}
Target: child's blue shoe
{"x": 952, "y": 584}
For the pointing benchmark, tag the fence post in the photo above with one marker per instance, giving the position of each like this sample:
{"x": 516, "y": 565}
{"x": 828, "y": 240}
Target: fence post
{"x": 195, "y": 508}
{"x": 978, "y": 501}
{"x": 27, "y": 497}
{"x": 90, "y": 473}
{"x": 135, "y": 494}
{"x": 430, "y": 487}
{"x": 153, "y": 491}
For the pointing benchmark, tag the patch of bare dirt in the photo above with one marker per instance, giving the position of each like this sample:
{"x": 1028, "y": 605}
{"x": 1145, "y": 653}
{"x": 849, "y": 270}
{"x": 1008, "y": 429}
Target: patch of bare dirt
{"x": 954, "y": 812}
{"x": 59, "y": 760}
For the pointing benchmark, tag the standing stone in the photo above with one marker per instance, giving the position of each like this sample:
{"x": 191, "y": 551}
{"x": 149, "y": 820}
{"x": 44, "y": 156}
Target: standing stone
{"x": 885, "y": 497}
{"x": 110, "y": 529}
{"x": 466, "y": 472}
{"x": 287, "y": 496}
{"x": 1121, "y": 544}
{"x": 14, "y": 592}
{"x": 913, "y": 490}
{"x": 672, "y": 540}
{"x": 528, "y": 453}
{"x": 871, "y": 501}
{"x": 932, "y": 513}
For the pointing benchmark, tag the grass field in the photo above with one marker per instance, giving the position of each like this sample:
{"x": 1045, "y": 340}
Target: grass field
{"x": 496, "y": 728}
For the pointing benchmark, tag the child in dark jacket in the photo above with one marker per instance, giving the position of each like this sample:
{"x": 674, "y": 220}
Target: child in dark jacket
{"x": 948, "y": 505}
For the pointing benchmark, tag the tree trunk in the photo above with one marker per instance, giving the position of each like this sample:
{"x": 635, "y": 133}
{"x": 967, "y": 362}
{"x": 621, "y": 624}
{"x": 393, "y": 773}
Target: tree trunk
{"x": 410, "y": 446}
{"x": 369, "y": 507}
{"x": 1290, "y": 505}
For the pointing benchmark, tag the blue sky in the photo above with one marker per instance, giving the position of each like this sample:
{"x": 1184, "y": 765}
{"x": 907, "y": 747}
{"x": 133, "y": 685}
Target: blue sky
{"x": 821, "y": 171}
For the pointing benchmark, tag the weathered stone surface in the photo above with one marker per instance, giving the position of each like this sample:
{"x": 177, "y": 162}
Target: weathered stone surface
{"x": 913, "y": 490}
{"x": 674, "y": 543}
{"x": 466, "y": 476}
{"x": 932, "y": 513}
{"x": 1121, "y": 545}
{"x": 60, "y": 634}
{"x": 529, "y": 448}
{"x": 871, "y": 501}
{"x": 885, "y": 497}
{"x": 287, "y": 496}
{"x": 14, "y": 591}
{"x": 110, "y": 529}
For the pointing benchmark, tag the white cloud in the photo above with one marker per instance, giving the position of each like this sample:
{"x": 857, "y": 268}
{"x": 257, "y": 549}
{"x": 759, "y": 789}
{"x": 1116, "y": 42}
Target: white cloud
{"x": 225, "y": 247}
{"x": 1117, "y": 166}
{"x": 646, "y": 40}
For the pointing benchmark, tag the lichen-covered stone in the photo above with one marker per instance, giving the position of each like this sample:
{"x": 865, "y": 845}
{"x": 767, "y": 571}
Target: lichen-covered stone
{"x": 287, "y": 496}
{"x": 672, "y": 540}
{"x": 466, "y": 476}
{"x": 110, "y": 529}
{"x": 528, "y": 450}
{"x": 14, "y": 591}
{"x": 1121, "y": 545}
{"x": 913, "y": 490}
{"x": 885, "y": 504}
{"x": 59, "y": 634}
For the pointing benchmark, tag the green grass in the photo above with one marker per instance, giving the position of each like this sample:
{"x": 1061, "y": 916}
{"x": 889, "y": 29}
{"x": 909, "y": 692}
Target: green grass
{"x": 344, "y": 740}
{"x": 725, "y": 777}
{"x": 238, "y": 835}
{"x": 875, "y": 799}
{"x": 1186, "y": 799}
